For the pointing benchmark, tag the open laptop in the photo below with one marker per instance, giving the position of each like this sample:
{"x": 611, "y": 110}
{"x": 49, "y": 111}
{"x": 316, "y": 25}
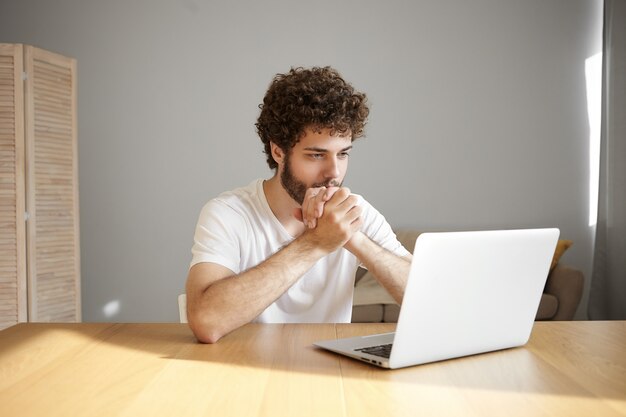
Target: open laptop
{"x": 467, "y": 293}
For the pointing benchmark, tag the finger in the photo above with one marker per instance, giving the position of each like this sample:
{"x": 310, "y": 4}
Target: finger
{"x": 338, "y": 196}
{"x": 321, "y": 199}
{"x": 319, "y": 208}
{"x": 297, "y": 213}
{"x": 354, "y": 214}
{"x": 308, "y": 205}
{"x": 314, "y": 208}
{"x": 330, "y": 192}
{"x": 348, "y": 204}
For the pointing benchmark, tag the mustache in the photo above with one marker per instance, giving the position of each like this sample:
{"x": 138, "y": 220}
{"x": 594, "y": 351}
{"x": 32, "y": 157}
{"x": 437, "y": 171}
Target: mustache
{"x": 331, "y": 183}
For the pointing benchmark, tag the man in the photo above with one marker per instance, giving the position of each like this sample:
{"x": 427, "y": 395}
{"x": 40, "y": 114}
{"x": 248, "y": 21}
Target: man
{"x": 286, "y": 249}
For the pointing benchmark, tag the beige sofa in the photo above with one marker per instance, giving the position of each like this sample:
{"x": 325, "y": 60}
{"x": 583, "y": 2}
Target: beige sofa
{"x": 372, "y": 304}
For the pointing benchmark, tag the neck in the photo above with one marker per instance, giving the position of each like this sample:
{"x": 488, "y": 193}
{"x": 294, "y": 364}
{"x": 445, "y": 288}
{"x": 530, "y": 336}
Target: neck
{"x": 282, "y": 205}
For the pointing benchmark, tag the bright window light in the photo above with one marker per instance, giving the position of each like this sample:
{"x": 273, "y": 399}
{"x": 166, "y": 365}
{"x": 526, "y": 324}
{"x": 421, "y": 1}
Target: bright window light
{"x": 593, "y": 75}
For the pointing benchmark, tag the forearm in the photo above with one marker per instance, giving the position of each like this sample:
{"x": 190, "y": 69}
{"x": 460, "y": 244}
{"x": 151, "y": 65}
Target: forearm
{"x": 235, "y": 300}
{"x": 392, "y": 271}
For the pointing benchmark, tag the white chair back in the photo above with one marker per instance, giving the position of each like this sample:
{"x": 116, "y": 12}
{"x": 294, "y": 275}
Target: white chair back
{"x": 182, "y": 308}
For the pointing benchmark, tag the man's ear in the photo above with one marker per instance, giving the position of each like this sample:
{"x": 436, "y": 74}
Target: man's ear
{"x": 277, "y": 153}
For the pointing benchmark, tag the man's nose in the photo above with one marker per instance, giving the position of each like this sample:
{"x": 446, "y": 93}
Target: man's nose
{"x": 332, "y": 168}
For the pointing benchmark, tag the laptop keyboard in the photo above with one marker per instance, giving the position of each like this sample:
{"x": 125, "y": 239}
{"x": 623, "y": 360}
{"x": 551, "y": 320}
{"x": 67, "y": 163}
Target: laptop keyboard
{"x": 381, "y": 350}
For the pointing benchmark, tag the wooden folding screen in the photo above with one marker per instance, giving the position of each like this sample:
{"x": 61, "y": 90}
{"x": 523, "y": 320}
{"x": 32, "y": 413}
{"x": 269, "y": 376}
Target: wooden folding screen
{"x": 39, "y": 263}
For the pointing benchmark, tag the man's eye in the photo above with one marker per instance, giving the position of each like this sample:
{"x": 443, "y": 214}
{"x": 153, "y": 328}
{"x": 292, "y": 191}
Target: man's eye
{"x": 344, "y": 155}
{"x": 316, "y": 155}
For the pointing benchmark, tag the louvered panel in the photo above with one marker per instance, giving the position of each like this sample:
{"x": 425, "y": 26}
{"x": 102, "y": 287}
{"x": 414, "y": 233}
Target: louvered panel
{"x": 54, "y": 275}
{"x": 12, "y": 230}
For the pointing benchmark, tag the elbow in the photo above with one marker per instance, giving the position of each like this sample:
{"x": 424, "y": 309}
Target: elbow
{"x": 207, "y": 337}
{"x": 205, "y": 331}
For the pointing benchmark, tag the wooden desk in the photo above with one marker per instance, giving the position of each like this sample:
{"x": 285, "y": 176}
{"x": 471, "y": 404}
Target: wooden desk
{"x": 567, "y": 369}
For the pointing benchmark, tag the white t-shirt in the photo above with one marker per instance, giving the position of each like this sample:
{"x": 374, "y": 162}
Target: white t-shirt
{"x": 238, "y": 230}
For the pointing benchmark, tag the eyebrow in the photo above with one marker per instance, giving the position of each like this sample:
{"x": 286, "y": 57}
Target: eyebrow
{"x": 322, "y": 150}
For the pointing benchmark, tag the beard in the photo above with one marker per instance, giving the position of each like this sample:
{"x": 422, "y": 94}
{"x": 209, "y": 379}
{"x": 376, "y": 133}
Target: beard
{"x": 296, "y": 188}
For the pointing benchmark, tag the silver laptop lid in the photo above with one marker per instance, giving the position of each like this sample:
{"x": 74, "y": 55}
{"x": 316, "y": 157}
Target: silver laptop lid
{"x": 471, "y": 292}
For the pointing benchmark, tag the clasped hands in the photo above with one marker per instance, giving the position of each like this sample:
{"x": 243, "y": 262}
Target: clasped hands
{"x": 332, "y": 214}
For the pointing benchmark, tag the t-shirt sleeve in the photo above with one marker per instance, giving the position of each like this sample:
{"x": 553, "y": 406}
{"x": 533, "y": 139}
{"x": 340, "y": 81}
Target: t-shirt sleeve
{"x": 217, "y": 236}
{"x": 375, "y": 226}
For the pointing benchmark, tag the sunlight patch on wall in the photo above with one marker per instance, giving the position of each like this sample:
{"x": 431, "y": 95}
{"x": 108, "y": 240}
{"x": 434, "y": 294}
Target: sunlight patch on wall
{"x": 112, "y": 308}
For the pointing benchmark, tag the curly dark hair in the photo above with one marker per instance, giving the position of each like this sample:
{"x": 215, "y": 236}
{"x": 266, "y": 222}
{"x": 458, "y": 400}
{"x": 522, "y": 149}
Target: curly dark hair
{"x": 316, "y": 98}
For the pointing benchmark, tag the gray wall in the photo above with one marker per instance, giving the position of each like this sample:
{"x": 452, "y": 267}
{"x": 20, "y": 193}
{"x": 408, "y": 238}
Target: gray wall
{"x": 478, "y": 118}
